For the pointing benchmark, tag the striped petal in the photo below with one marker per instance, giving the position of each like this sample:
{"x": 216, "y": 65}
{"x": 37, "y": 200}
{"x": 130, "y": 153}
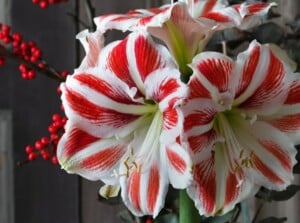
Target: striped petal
{"x": 165, "y": 88}
{"x": 242, "y": 16}
{"x": 101, "y": 104}
{"x": 178, "y": 165}
{"x": 144, "y": 190}
{"x": 93, "y": 44}
{"x": 264, "y": 80}
{"x": 134, "y": 58}
{"x": 215, "y": 190}
{"x": 287, "y": 118}
{"x": 132, "y": 20}
{"x": 214, "y": 72}
{"x": 201, "y": 7}
{"x": 90, "y": 156}
{"x": 271, "y": 154}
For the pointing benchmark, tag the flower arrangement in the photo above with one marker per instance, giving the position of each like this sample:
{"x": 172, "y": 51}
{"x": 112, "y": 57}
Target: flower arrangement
{"x": 158, "y": 113}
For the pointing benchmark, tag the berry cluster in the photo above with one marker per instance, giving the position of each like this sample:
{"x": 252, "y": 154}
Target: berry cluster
{"x": 46, "y": 146}
{"x": 24, "y": 51}
{"x": 45, "y": 3}
{"x": 28, "y": 54}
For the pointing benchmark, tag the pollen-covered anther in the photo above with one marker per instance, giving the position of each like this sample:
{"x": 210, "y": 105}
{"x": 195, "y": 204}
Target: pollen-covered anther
{"x": 246, "y": 161}
{"x": 251, "y": 118}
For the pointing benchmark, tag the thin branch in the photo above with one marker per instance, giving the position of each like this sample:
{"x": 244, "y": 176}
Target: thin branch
{"x": 90, "y": 12}
{"x": 48, "y": 70}
{"x": 77, "y": 20}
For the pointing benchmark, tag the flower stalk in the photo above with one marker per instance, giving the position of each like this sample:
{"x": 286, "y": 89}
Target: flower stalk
{"x": 187, "y": 210}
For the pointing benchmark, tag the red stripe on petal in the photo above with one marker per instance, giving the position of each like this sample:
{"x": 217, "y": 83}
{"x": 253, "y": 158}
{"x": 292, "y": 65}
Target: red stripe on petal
{"x": 289, "y": 123}
{"x": 257, "y": 8}
{"x": 205, "y": 180}
{"x": 134, "y": 189}
{"x": 248, "y": 71}
{"x": 117, "y": 62}
{"x": 165, "y": 88}
{"x": 232, "y": 188}
{"x": 170, "y": 118}
{"x": 278, "y": 152}
{"x": 266, "y": 171}
{"x": 176, "y": 161}
{"x": 271, "y": 86}
{"x": 217, "y": 16}
{"x": 209, "y": 5}
{"x": 147, "y": 57}
{"x": 104, "y": 159}
{"x": 197, "y": 90}
{"x": 199, "y": 117}
{"x": 217, "y": 71}
{"x": 104, "y": 88}
{"x": 200, "y": 142}
{"x": 294, "y": 94}
{"x": 78, "y": 140}
{"x": 153, "y": 188}
{"x": 97, "y": 115}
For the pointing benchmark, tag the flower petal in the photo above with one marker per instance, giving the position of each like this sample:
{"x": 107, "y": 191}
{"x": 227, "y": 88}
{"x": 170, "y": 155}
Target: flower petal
{"x": 269, "y": 83}
{"x": 242, "y": 16}
{"x": 89, "y": 156}
{"x": 93, "y": 44}
{"x": 272, "y": 154}
{"x": 199, "y": 115}
{"x": 200, "y": 7}
{"x": 215, "y": 189}
{"x": 144, "y": 190}
{"x": 148, "y": 57}
{"x": 102, "y": 104}
{"x": 178, "y": 164}
{"x": 214, "y": 71}
{"x": 132, "y": 20}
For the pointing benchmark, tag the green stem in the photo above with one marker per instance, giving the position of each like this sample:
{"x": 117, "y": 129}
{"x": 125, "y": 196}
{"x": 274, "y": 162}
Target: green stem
{"x": 245, "y": 212}
{"x": 187, "y": 210}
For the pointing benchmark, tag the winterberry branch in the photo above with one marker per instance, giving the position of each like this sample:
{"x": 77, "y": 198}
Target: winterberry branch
{"x": 42, "y": 67}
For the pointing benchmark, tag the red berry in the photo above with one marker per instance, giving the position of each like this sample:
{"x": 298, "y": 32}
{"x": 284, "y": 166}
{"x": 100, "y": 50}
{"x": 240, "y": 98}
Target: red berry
{"x": 38, "y": 145}
{"x": 45, "y": 141}
{"x": 56, "y": 117}
{"x": 44, "y": 4}
{"x": 42, "y": 65}
{"x": 29, "y": 149}
{"x": 54, "y": 160}
{"x": 31, "y": 156}
{"x": 35, "y": 1}
{"x": 45, "y": 154}
{"x": 2, "y": 61}
{"x": 31, "y": 74}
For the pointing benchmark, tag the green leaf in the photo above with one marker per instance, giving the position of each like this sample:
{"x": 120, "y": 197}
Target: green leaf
{"x": 126, "y": 217}
{"x": 168, "y": 218}
{"x": 273, "y": 220}
{"x": 271, "y": 195}
{"x": 219, "y": 219}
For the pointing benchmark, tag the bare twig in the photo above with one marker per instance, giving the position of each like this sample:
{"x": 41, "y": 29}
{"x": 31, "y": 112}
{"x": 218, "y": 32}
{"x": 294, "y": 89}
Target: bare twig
{"x": 90, "y": 12}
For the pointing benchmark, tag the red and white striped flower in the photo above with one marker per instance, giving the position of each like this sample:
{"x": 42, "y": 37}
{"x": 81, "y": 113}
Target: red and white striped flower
{"x": 241, "y": 119}
{"x": 185, "y": 26}
{"x": 124, "y": 121}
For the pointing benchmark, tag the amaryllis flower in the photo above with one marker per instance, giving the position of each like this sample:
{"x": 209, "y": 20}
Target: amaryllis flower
{"x": 185, "y": 26}
{"x": 241, "y": 119}
{"x": 124, "y": 122}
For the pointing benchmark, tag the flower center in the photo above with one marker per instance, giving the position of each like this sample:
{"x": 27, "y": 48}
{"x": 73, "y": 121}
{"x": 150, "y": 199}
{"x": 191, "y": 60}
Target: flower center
{"x": 228, "y": 124}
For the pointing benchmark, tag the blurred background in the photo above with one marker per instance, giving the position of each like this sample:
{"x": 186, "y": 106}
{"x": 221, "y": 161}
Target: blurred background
{"x": 40, "y": 192}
